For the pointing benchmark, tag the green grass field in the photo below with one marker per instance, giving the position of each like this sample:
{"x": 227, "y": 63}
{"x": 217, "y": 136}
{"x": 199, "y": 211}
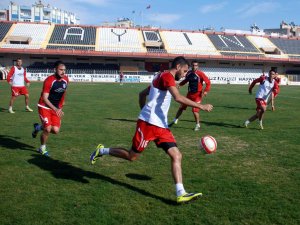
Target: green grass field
{"x": 253, "y": 178}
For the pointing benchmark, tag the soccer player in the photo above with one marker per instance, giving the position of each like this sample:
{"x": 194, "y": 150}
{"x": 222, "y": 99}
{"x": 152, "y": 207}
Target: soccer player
{"x": 152, "y": 124}
{"x": 121, "y": 76}
{"x": 264, "y": 92}
{"x": 51, "y": 104}
{"x": 17, "y": 78}
{"x": 195, "y": 78}
{"x": 275, "y": 91}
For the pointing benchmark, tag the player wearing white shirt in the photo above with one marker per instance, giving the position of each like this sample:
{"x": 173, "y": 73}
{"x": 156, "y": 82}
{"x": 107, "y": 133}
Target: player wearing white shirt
{"x": 152, "y": 124}
{"x": 17, "y": 78}
{"x": 264, "y": 92}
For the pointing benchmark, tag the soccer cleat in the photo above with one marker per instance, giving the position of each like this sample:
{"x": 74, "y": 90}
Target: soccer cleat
{"x": 28, "y": 109}
{"x": 96, "y": 154}
{"x": 197, "y": 128}
{"x": 43, "y": 151}
{"x": 11, "y": 111}
{"x": 173, "y": 122}
{"x": 35, "y": 130}
{"x": 187, "y": 197}
{"x": 246, "y": 124}
{"x": 261, "y": 126}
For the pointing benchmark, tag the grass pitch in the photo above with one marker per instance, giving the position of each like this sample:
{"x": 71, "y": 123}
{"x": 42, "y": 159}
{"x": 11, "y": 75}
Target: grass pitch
{"x": 253, "y": 178}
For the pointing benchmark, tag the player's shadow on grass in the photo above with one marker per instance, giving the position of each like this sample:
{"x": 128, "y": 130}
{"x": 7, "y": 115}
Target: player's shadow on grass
{"x": 208, "y": 123}
{"x": 232, "y": 107}
{"x": 12, "y": 143}
{"x": 64, "y": 170}
{"x": 120, "y": 119}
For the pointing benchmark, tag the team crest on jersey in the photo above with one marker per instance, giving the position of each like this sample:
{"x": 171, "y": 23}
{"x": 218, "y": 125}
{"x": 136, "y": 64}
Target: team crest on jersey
{"x": 64, "y": 86}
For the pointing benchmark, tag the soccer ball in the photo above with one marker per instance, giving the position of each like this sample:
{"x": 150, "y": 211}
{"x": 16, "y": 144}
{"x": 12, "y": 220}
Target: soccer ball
{"x": 208, "y": 144}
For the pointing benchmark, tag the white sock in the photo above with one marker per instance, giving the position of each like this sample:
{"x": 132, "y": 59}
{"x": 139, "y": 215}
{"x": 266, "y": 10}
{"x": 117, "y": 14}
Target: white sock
{"x": 10, "y": 108}
{"x": 43, "y": 147}
{"x": 260, "y": 122}
{"x": 247, "y": 122}
{"x": 104, "y": 151}
{"x": 179, "y": 189}
{"x": 198, "y": 124}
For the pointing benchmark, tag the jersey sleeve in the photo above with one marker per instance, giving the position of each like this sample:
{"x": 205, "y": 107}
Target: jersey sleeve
{"x": 206, "y": 80}
{"x": 258, "y": 80}
{"x": 168, "y": 81}
{"x": 47, "y": 85}
{"x": 10, "y": 73}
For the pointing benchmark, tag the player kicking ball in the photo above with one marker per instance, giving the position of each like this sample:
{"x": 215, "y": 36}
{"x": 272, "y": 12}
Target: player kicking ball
{"x": 152, "y": 125}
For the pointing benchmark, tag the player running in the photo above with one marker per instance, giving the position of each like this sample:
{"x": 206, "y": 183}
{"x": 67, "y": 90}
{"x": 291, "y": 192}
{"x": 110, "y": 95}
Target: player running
{"x": 17, "y": 78}
{"x": 152, "y": 124}
{"x": 264, "y": 92}
{"x": 195, "y": 78}
{"x": 50, "y": 105}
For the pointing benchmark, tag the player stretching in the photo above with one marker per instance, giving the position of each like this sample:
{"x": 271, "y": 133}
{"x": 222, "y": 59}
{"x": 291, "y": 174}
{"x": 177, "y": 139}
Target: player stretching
{"x": 17, "y": 78}
{"x": 152, "y": 124}
{"x": 262, "y": 95}
{"x": 195, "y": 79}
{"x": 50, "y": 105}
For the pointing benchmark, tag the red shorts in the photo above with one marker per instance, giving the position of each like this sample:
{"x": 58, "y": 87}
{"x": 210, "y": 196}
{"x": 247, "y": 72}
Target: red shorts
{"x": 49, "y": 117}
{"x": 260, "y": 103}
{"x": 195, "y": 97}
{"x": 16, "y": 91}
{"x": 146, "y": 132}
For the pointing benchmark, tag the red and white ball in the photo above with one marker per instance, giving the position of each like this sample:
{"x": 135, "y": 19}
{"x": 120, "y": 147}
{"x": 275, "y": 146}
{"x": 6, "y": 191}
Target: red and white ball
{"x": 208, "y": 144}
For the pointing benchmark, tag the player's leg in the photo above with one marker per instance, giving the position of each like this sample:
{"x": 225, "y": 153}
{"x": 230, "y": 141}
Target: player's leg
{"x": 139, "y": 143}
{"x": 27, "y": 108}
{"x": 176, "y": 169}
{"x": 261, "y": 115}
{"x": 178, "y": 114}
{"x": 11, "y": 102}
{"x": 44, "y": 138}
{"x": 197, "y": 118}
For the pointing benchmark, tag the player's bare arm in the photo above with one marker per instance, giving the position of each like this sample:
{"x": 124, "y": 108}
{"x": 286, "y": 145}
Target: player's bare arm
{"x": 183, "y": 100}
{"x": 143, "y": 96}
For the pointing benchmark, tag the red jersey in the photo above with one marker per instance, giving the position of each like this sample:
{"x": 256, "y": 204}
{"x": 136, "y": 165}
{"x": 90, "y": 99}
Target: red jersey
{"x": 276, "y": 85}
{"x": 196, "y": 80}
{"x": 56, "y": 89}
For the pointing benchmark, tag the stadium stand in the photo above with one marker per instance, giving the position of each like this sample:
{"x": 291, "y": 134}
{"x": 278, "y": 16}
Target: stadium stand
{"x": 177, "y": 42}
{"x": 233, "y": 43}
{"x": 120, "y": 40}
{"x": 68, "y": 35}
{"x": 288, "y": 46}
{"x": 72, "y": 68}
{"x": 4, "y": 28}
{"x": 71, "y": 47}
{"x": 26, "y": 35}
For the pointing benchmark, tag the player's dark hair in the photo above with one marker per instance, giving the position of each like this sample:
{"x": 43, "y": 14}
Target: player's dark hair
{"x": 180, "y": 60}
{"x": 272, "y": 70}
{"x": 18, "y": 59}
{"x": 194, "y": 61}
{"x": 58, "y": 63}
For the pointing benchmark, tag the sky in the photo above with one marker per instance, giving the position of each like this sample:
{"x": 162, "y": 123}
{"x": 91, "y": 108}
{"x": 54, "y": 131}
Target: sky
{"x": 180, "y": 14}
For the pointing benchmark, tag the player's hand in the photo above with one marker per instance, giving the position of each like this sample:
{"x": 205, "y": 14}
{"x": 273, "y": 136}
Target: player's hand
{"x": 59, "y": 112}
{"x": 28, "y": 84}
{"x": 207, "y": 107}
{"x": 204, "y": 93}
{"x": 10, "y": 83}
